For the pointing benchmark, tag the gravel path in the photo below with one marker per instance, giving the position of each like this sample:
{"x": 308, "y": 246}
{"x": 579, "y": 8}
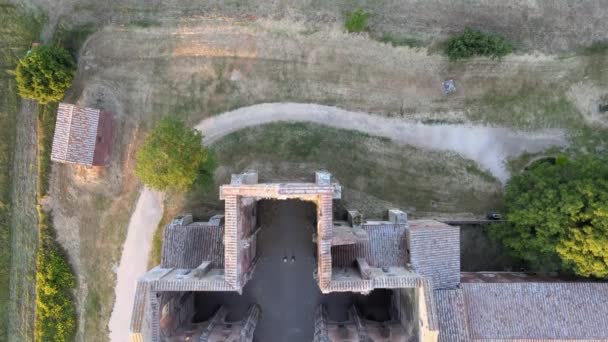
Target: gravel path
{"x": 488, "y": 146}
{"x": 134, "y": 260}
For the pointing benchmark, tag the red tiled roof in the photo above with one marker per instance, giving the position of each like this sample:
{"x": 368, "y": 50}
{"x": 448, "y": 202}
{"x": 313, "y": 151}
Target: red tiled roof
{"x": 523, "y": 311}
{"x": 75, "y": 134}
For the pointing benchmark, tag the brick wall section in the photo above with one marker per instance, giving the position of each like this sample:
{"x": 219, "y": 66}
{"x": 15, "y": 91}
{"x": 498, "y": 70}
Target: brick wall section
{"x": 322, "y": 194}
{"x": 247, "y": 222}
{"x": 435, "y": 252}
{"x": 217, "y": 319}
{"x": 387, "y": 246}
{"x": 253, "y": 315}
{"x": 361, "y": 285}
{"x": 321, "y": 325}
{"x": 139, "y": 306}
{"x": 153, "y": 317}
{"x": 188, "y": 246}
{"x": 304, "y": 191}
{"x": 231, "y": 234}
{"x": 324, "y": 235}
{"x": 190, "y": 285}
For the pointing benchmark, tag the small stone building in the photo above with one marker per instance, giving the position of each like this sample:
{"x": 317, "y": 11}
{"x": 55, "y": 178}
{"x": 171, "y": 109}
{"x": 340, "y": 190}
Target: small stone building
{"x": 83, "y": 136}
{"x": 413, "y": 266}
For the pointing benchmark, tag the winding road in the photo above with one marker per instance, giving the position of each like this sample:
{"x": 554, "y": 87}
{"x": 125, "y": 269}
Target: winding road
{"x": 490, "y": 147}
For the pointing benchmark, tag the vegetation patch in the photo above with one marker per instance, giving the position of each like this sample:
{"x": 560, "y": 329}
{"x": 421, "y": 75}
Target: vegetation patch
{"x": 72, "y": 38}
{"x": 397, "y": 40}
{"x": 528, "y": 106}
{"x": 171, "y": 157}
{"x": 477, "y": 43}
{"x": 356, "y": 21}
{"x": 145, "y": 23}
{"x": 17, "y": 32}
{"x": 55, "y": 282}
{"x": 376, "y": 170}
{"x": 558, "y": 216}
{"x": 45, "y": 74}
{"x": 55, "y": 279}
{"x": 596, "y": 48}
{"x": 46, "y": 128}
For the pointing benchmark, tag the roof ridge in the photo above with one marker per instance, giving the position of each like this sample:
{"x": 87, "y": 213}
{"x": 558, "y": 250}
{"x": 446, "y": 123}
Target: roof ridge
{"x": 69, "y": 135}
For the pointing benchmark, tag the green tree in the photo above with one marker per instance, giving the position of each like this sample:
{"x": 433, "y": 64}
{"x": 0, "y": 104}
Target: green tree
{"x": 55, "y": 283}
{"x": 45, "y": 74}
{"x": 476, "y": 43}
{"x": 356, "y": 21}
{"x": 171, "y": 157}
{"x": 558, "y": 216}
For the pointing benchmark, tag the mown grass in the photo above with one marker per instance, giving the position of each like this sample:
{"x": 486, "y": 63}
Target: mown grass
{"x": 17, "y": 32}
{"x": 527, "y": 106}
{"x": 46, "y": 128}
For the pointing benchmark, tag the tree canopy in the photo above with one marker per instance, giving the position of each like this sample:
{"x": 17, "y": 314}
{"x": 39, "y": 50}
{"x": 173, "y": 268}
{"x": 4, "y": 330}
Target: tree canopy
{"x": 45, "y": 74}
{"x": 558, "y": 216}
{"x": 171, "y": 157}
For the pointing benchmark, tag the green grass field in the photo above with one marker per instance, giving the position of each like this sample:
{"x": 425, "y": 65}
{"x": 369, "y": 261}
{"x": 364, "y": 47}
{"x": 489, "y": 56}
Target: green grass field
{"x": 17, "y": 32}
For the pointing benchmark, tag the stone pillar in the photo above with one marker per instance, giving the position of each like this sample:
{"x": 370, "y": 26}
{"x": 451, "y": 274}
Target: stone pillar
{"x": 324, "y": 236}
{"x": 355, "y": 218}
{"x": 231, "y": 240}
{"x": 397, "y": 216}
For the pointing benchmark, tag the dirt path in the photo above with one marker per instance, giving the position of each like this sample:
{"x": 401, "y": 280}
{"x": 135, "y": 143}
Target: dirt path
{"x": 134, "y": 260}
{"x": 488, "y": 146}
{"x": 24, "y": 227}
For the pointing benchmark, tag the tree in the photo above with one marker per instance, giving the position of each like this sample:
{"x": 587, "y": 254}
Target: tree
{"x": 476, "y": 43}
{"x": 45, "y": 74}
{"x": 171, "y": 157}
{"x": 558, "y": 216}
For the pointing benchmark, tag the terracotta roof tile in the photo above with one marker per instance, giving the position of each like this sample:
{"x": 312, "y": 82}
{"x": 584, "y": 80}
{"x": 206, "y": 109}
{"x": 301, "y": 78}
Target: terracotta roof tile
{"x": 75, "y": 134}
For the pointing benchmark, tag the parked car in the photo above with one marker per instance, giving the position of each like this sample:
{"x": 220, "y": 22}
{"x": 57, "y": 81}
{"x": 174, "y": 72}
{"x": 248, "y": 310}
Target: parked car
{"x": 493, "y": 216}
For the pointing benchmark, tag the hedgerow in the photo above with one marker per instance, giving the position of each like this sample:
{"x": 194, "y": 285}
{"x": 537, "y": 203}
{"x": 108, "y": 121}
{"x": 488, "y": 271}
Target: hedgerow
{"x": 55, "y": 281}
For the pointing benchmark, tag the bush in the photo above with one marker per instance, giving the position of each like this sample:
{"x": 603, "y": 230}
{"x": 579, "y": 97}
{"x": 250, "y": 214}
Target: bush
{"x": 476, "y": 43}
{"x": 55, "y": 281}
{"x": 356, "y": 21}
{"x": 558, "y": 216}
{"x": 172, "y": 156}
{"x": 45, "y": 74}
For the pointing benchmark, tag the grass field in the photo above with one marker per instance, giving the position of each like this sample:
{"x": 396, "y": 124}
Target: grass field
{"x": 16, "y": 34}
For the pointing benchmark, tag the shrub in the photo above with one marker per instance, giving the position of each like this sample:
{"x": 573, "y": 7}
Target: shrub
{"x": 558, "y": 216}
{"x": 55, "y": 281}
{"x": 356, "y": 21}
{"x": 171, "y": 157}
{"x": 45, "y": 74}
{"x": 476, "y": 43}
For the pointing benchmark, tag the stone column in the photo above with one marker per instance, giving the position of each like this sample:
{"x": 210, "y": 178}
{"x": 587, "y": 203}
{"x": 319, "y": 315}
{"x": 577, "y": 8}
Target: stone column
{"x": 231, "y": 241}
